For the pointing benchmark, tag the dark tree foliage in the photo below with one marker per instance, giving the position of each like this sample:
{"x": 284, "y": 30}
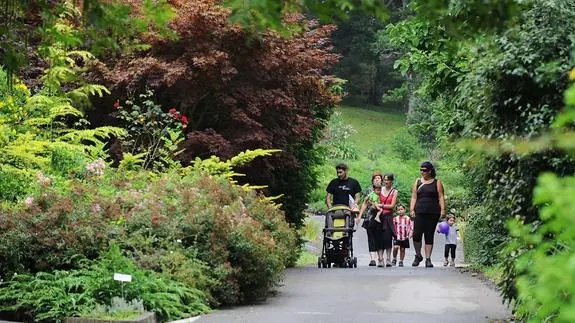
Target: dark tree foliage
{"x": 241, "y": 92}
{"x": 360, "y": 65}
{"x": 366, "y": 63}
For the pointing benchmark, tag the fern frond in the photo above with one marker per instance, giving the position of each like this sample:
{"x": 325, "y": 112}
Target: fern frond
{"x": 51, "y": 106}
{"x": 94, "y": 136}
{"x": 58, "y": 74}
{"x": 249, "y": 155}
{"x": 249, "y": 187}
{"x": 88, "y": 90}
{"x": 84, "y": 55}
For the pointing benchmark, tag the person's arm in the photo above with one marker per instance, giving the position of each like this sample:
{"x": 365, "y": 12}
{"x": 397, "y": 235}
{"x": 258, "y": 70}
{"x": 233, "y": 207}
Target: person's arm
{"x": 437, "y": 228}
{"x": 328, "y": 201}
{"x": 441, "y": 198}
{"x": 391, "y": 205}
{"x": 330, "y": 190}
{"x": 357, "y": 193}
{"x": 410, "y": 228}
{"x": 363, "y": 207}
{"x": 413, "y": 199}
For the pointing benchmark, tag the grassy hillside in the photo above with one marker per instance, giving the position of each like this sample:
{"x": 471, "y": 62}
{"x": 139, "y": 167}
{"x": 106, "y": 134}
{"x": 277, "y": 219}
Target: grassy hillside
{"x": 371, "y": 125}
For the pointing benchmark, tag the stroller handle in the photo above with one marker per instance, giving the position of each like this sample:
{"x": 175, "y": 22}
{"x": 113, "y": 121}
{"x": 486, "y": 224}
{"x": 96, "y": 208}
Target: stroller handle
{"x": 343, "y": 207}
{"x": 338, "y": 230}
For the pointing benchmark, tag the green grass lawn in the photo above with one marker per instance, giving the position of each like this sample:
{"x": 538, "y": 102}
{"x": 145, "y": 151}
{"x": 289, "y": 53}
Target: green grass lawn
{"x": 371, "y": 125}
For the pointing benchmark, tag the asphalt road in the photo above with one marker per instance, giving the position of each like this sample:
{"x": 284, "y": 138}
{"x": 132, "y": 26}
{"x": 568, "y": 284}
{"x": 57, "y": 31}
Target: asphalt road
{"x": 366, "y": 294}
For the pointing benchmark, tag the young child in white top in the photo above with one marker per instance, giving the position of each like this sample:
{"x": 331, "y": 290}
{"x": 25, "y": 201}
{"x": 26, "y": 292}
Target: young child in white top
{"x": 450, "y": 241}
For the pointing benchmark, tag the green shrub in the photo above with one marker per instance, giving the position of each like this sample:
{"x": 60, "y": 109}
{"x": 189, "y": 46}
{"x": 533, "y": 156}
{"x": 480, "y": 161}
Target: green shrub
{"x": 483, "y": 237}
{"x": 337, "y": 139}
{"x": 14, "y": 183}
{"x": 66, "y": 161}
{"x": 55, "y": 295}
{"x": 405, "y": 145}
{"x": 544, "y": 254}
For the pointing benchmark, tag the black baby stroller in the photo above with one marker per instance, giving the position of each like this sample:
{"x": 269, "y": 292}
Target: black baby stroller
{"x": 338, "y": 239}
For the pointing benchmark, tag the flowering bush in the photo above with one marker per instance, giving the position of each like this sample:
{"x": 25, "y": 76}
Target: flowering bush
{"x": 151, "y": 132}
{"x": 204, "y": 231}
{"x": 96, "y": 168}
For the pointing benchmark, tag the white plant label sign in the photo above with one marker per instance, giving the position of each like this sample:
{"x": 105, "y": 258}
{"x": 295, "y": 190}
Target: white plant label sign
{"x": 123, "y": 277}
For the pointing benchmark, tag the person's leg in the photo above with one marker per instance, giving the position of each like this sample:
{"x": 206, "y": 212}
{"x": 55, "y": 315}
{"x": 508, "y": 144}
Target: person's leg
{"x": 395, "y": 250}
{"x": 401, "y": 254}
{"x": 453, "y": 247}
{"x": 429, "y": 233}
{"x": 446, "y": 254}
{"x": 371, "y": 246}
{"x": 417, "y": 239}
{"x": 388, "y": 255}
{"x": 380, "y": 258}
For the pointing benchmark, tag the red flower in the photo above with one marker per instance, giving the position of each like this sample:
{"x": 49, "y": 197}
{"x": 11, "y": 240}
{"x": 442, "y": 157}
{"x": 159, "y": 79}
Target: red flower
{"x": 172, "y": 111}
{"x": 117, "y": 104}
{"x": 184, "y": 119}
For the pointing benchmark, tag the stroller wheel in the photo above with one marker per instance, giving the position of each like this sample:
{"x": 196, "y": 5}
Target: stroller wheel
{"x": 354, "y": 262}
{"x": 329, "y": 265}
{"x": 318, "y": 262}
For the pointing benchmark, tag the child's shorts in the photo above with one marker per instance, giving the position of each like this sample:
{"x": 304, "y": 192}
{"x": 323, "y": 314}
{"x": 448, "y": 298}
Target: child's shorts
{"x": 402, "y": 243}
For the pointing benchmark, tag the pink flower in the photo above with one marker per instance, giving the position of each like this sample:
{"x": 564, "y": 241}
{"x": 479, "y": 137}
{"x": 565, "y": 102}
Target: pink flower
{"x": 184, "y": 119}
{"x": 117, "y": 104}
{"x": 96, "y": 207}
{"x": 29, "y": 200}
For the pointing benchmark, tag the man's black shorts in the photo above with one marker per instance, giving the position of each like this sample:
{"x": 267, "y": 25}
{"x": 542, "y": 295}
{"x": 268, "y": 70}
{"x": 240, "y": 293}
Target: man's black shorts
{"x": 402, "y": 243}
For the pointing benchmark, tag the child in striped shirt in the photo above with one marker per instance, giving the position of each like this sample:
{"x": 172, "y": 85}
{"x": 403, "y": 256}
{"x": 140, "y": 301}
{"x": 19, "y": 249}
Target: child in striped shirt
{"x": 403, "y": 230}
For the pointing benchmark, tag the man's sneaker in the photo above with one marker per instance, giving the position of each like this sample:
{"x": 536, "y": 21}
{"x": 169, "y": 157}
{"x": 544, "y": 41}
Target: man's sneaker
{"x": 394, "y": 261}
{"x": 452, "y": 263}
{"x": 387, "y": 263}
{"x": 445, "y": 263}
{"x": 380, "y": 263}
{"x": 372, "y": 263}
{"x": 418, "y": 259}
{"x": 400, "y": 263}
{"x": 428, "y": 263}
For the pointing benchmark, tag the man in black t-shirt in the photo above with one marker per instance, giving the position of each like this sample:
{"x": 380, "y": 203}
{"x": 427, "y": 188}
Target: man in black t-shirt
{"x": 341, "y": 188}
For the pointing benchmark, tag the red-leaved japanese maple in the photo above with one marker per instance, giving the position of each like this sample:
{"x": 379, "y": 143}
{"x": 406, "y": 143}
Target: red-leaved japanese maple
{"x": 241, "y": 91}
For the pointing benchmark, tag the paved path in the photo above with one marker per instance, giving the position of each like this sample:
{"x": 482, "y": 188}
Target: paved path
{"x": 369, "y": 294}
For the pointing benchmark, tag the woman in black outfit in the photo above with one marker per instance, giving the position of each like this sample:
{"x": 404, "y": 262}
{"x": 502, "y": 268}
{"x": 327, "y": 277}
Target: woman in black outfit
{"x": 427, "y": 205}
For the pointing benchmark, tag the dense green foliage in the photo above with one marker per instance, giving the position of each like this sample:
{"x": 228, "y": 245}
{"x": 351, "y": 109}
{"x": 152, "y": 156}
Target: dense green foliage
{"x": 493, "y": 80}
{"x": 77, "y": 292}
